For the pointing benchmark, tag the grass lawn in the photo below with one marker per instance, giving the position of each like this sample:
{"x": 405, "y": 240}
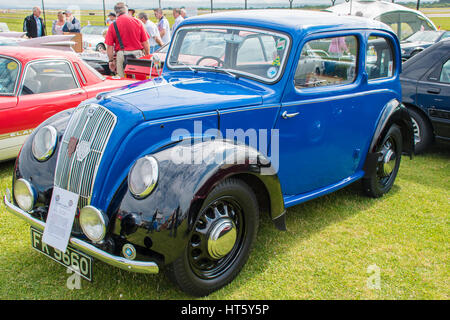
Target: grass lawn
{"x": 330, "y": 243}
{"x": 444, "y": 23}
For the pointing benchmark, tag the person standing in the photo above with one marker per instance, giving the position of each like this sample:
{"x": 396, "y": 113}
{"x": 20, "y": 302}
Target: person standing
{"x": 58, "y": 25}
{"x": 152, "y": 30}
{"x": 178, "y": 19}
{"x": 72, "y": 23}
{"x": 129, "y": 39}
{"x": 183, "y": 13}
{"x": 33, "y": 24}
{"x": 163, "y": 25}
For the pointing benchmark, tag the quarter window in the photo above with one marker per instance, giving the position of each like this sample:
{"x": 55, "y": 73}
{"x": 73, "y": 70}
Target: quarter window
{"x": 327, "y": 62}
{"x": 379, "y": 58}
{"x": 9, "y": 71}
{"x": 445, "y": 73}
{"x": 48, "y": 76}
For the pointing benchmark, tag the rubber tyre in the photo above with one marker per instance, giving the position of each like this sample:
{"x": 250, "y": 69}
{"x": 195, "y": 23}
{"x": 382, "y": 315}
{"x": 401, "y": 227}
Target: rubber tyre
{"x": 425, "y": 131}
{"x": 371, "y": 185}
{"x": 180, "y": 271}
{"x": 100, "y": 46}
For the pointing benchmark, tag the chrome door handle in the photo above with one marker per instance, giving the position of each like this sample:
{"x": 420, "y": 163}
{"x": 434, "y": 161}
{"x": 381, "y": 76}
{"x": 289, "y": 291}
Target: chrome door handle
{"x": 286, "y": 115}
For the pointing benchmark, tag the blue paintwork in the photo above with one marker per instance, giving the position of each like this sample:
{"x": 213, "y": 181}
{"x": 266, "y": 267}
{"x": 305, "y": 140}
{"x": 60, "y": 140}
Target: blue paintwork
{"x": 321, "y": 150}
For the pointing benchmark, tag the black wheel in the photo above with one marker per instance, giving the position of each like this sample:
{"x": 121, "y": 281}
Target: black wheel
{"x": 423, "y": 135}
{"x": 390, "y": 149}
{"x": 414, "y": 53}
{"x": 220, "y": 242}
{"x": 100, "y": 47}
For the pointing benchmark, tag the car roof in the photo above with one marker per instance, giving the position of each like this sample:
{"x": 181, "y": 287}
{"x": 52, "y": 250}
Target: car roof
{"x": 25, "y": 54}
{"x": 290, "y": 21}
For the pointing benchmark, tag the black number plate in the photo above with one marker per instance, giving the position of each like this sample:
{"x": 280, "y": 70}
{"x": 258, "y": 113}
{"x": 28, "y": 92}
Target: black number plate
{"x": 72, "y": 258}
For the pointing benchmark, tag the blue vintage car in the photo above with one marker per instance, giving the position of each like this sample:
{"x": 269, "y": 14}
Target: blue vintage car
{"x": 257, "y": 111}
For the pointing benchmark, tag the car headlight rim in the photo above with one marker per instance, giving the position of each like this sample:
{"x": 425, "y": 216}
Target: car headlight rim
{"x": 23, "y": 185}
{"x": 90, "y": 212}
{"x": 49, "y": 145}
{"x": 151, "y": 175}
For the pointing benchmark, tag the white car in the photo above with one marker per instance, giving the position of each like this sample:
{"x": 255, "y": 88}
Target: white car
{"x": 93, "y": 37}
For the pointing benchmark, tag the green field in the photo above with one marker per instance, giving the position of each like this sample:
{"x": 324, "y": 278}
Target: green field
{"x": 325, "y": 254}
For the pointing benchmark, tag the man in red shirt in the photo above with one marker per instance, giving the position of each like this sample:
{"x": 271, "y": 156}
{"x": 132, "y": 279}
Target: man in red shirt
{"x": 133, "y": 36}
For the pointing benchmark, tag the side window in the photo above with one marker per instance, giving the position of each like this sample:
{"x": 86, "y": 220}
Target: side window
{"x": 445, "y": 73}
{"x": 327, "y": 62}
{"x": 48, "y": 76}
{"x": 9, "y": 71}
{"x": 379, "y": 58}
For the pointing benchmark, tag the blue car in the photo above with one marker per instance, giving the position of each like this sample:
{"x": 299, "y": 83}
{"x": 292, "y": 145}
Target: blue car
{"x": 426, "y": 93}
{"x": 256, "y": 111}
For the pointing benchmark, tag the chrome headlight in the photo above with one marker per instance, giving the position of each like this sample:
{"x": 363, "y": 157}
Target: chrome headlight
{"x": 93, "y": 223}
{"x": 143, "y": 177}
{"x": 24, "y": 194}
{"x": 44, "y": 143}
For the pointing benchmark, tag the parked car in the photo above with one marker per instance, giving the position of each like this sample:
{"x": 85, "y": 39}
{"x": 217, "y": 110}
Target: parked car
{"x": 425, "y": 83}
{"x": 37, "y": 83}
{"x": 179, "y": 170}
{"x": 93, "y": 37}
{"x": 421, "y": 40}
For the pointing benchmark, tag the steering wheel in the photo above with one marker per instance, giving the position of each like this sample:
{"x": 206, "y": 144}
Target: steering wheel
{"x": 219, "y": 61}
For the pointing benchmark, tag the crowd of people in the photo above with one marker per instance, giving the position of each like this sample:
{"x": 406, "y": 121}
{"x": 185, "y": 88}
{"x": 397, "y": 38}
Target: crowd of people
{"x": 127, "y": 35}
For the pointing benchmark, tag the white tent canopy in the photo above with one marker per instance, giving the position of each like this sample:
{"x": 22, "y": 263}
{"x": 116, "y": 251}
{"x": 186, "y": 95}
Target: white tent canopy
{"x": 404, "y": 21}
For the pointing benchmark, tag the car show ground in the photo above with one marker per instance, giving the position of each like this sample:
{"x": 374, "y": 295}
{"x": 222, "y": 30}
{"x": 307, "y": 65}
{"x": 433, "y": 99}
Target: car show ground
{"x": 333, "y": 248}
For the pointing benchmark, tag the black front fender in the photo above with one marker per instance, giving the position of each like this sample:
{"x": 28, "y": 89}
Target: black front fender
{"x": 163, "y": 221}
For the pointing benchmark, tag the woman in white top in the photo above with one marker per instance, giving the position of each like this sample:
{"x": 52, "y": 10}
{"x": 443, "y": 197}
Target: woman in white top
{"x": 57, "y": 27}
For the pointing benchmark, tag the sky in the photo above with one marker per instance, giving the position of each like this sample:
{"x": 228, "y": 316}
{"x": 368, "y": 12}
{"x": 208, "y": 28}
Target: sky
{"x": 141, "y": 4}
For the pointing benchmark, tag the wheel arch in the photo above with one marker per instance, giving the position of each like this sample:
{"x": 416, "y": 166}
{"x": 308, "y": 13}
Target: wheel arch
{"x": 422, "y": 113}
{"x": 394, "y": 112}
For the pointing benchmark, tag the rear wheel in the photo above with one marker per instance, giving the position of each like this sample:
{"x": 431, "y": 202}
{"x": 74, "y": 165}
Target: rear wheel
{"x": 382, "y": 179}
{"x": 220, "y": 242}
{"x": 423, "y": 135}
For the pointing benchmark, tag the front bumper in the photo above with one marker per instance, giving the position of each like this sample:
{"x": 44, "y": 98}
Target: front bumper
{"x": 116, "y": 261}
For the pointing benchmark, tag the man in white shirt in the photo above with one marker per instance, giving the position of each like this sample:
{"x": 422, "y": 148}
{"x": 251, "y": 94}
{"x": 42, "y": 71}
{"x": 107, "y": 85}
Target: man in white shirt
{"x": 152, "y": 30}
{"x": 163, "y": 26}
{"x": 178, "y": 19}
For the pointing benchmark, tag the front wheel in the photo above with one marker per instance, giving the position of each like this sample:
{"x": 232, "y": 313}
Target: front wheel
{"x": 390, "y": 150}
{"x": 221, "y": 240}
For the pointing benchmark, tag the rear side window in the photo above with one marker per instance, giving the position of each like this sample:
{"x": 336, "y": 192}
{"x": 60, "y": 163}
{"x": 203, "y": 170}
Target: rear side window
{"x": 445, "y": 73}
{"x": 327, "y": 62}
{"x": 379, "y": 58}
{"x": 48, "y": 76}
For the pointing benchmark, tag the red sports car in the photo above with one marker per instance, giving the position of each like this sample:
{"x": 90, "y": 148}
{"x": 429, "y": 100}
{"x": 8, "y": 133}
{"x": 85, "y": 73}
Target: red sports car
{"x": 35, "y": 84}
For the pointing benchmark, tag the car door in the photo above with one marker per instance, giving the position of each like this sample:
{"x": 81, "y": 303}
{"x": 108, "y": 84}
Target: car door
{"x": 9, "y": 77}
{"x": 48, "y": 87}
{"x": 433, "y": 95}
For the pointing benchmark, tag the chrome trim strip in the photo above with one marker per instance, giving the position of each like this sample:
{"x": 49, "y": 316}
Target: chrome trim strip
{"x": 116, "y": 261}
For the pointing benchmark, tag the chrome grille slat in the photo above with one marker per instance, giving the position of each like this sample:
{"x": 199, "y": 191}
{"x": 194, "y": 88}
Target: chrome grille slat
{"x": 94, "y": 128}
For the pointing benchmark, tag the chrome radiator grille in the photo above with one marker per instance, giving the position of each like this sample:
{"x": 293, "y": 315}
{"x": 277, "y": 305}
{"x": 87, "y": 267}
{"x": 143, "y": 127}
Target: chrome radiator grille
{"x": 90, "y": 127}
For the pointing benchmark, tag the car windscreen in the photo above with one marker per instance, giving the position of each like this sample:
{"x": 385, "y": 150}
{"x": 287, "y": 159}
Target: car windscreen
{"x": 254, "y": 53}
{"x": 9, "y": 72}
